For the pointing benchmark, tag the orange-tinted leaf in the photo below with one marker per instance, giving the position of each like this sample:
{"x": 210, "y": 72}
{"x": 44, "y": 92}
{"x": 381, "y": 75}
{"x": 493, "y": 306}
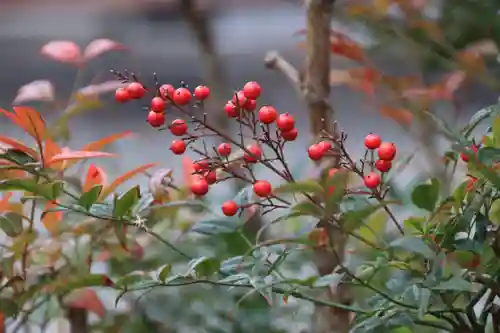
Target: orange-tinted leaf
{"x": 100, "y": 46}
{"x": 123, "y": 178}
{"x": 95, "y": 176}
{"x": 39, "y": 90}
{"x": 50, "y": 150}
{"x": 51, "y": 220}
{"x": 2, "y": 323}
{"x": 12, "y": 173}
{"x": 31, "y": 121}
{"x": 342, "y": 45}
{"x": 86, "y": 299}
{"x": 4, "y": 202}
{"x": 63, "y": 51}
{"x": 78, "y": 155}
{"x": 401, "y": 116}
{"x": 12, "y": 143}
{"x": 319, "y": 237}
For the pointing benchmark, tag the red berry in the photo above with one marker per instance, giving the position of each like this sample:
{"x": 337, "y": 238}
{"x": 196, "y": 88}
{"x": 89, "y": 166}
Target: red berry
{"x": 475, "y": 262}
{"x": 158, "y": 104}
{"x": 167, "y": 91}
{"x": 231, "y": 110}
{"x": 224, "y": 149}
{"x": 262, "y": 188}
{"x": 136, "y": 90}
{"x": 178, "y": 127}
{"x": 182, "y": 96}
{"x": 464, "y": 156}
{"x": 201, "y": 93}
{"x": 383, "y": 165}
{"x": 199, "y": 186}
{"x": 387, "y": 151}
{"x": 372, "y": 141}
{"x": 122, "y": 95}
{"x": 229, "y": 208}
{"x": 267, "y": 114}
{"x": 211, "y": 177}
{"x": 372, "y": 180}
{"x": 251, "y": 90}
{"x": 285, "y": 122}
{"x": 250, "y": 105}
{"x": 325, "y": 145}
{"x": 178, "y": 147}
{"x": 332, "y": 172}
{"x": 316, "y": 152}
{"x": 290, "y": 135}
{"x": 201, "y": 165}
{"x": 156, "y": 119}
{"x": 256, "y": 154}
{"x": 239, "y": 99}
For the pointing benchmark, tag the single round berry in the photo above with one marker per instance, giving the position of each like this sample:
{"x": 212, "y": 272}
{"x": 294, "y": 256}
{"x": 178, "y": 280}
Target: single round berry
{"x": 201, "y": 165}
{"x": 158, "y": 104}
{"x": 239, "y": 99}
{"x": 201, "y": 93}
{"x": 199, "y": 186}
{"x": 372, "y": 141}
{"x": 156, "y": 119}
{"x": 182, "y": 96}
{"x": 178, "y": 127}
{"x": 251, "y": 90}
{"x": 290, "y": 135}
{"x": 372, "y": 180}
{"x": 167, "y": 91}
{"x": 136, "y": 90}
{"x": 383, "y": 165}
{"x": 285, "y": 122}
{"x": 267, "y": 114}
{"x": 211, "y": 177}
{"x": 465, "y": 157}
{"x": 231, "y": 110}
{"x": 230, "y": 208}
{"x": 325, "y": 145}
{"x": 262, "y": 188}
{"x": 387, "y": 151}
{"x": 255, "y": 154}
{"x": 122, "y": 95}
{"x": 224, "y": 149}
{"x": 178, "y": 147}
{"x": 250, "y": 105}
{"x": 316, "y": 152}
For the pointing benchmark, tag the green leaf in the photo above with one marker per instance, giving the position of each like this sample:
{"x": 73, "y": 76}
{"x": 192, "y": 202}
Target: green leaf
{"x": 307, "y": 208}
{"x": 90, "y": 197}
{"x": 90, "y": 280}
{"x": 165, "y": 271}
{"x": 494, "y": 213}
{"x": 8, "y": 307}
{"x": 131, "y": 280}
{"x": 263, "y": 288}
{"x": 337, "y": 183}
{"x": 425, "y": 196}
{"x": 203, "y": 267}
{"x": 234, "y": 265}
{"x": 488, "y": 155}
{"x": 424, "y": 298}
{"x": 413, "y": 224}
{"x": 374, "y": 228}
{"x": 236, "y": 278}
{"x": 299, "y": 187}
{"x": 11, "y": 223}
{"x": 446, "y": 130}
{"x": 478, "y": 117}
{"x": 456, "y": 283}
{"x": 414, "y": 245}
{"x": 496, "y": 131}
{"x": 353, "y": 219}
{"x": 18, "y": 156}
{"x": 215, "y": 227}
{"x": 124, "y": 204}
{"x": 49, "y": 191}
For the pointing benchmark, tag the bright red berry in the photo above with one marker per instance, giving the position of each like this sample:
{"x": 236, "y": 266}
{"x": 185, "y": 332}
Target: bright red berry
{"x": 285, "y": 122}
{"x": 387, "y": 151}
{"x": 262, "y": 188}
{"x": 256, "y": 154}
{"x": 178, "y": 147}
{"x": 136, "y": 90}
{"x": 383, "y": 165}
{"x": 199, "y": 186}
{"x": 178, "y": 127}
{"x": 290, "y": 135}
{"x": 372, "y": 141}
{"x": 158, "y": 104}
{"x": 182, "y": 96}
{"x": 250, "y": 105}
{"x": 230, "y": 208}
{"x": 239, "y": 99}
{"x": 224, "y": 149}
{"x": 372, "y": 180}
{"x": 464, "y": 156}
{"x": 156, "y": 119}
{"x": 211, "y": 177}
{"x": 316, "y": 152}
{"x": 231, "y": 110}
{"x": 201, "y": 93}
{"x": 201, "y": 165}
{"x": 251, "y": 90}
{"x": 267, "y": 114}
{"x": 122, "y": 95}
{"x": 167, "y": 91}
{"x": 325, "y": 145}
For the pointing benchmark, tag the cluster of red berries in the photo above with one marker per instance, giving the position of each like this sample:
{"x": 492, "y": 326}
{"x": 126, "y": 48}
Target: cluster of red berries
{"x": 386, "y": 152}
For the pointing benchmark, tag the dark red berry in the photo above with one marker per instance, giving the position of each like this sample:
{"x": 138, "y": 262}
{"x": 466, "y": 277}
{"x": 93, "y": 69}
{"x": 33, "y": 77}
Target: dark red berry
{"x": 267, "y": 114}
{"x": 201, "y": 93}
{"x": 201, "y": 165}
{"x": 325, "y": 145}
{"x": 387, "y": 151}
{"x": 158, "y": 104}
{"x": 316, "y": 152}
{"x": 372, "y": 180}
{"x": 167, "y": 91}
{"x": 372, "y": 141}
{"x": 211, "y": 177}
{"x": 251, "y": 90}
{"x": 290, "y": 135}
{"x": 239, "y": 99}
{"x": 156, "y": 119}
{"x": 178, "y": 147}
{"x": 136, "y": 90}
{"x": 182, "y": 96}
{"x": 224, "y": 149}
{"x": 122, "y": 95}
{"x": 231, "y": 110}
{"x": 383, "y": 165}
{"x": 262, "y": 188}
{"x": 199, "y": 186}
{"x": 178, "y": 127}
{"x": 256, "y": 154}
{"x": 250, "y": 105}
{"x": 230, "y": 208}
{"x": 285, "y": 122}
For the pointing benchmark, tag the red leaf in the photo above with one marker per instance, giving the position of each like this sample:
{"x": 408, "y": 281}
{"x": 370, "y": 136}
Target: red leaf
{"x": 123, "y": 178}
{"x": 95, "y": 176}
{"x": 51, "y": 220}
{"x": 63, "y": 51}
{"x": 78, "y": 155}
{"x": 50, "y": 150}
{"x": 31, "y": 121}
{"x": 18, "y": 145}
{"x": 401, "y": 116}
{"x": 100, "y": 46}
{"x": 4, "y": 202}
{"x": 35, "y": 91}
{"x": 86, "y": 299}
